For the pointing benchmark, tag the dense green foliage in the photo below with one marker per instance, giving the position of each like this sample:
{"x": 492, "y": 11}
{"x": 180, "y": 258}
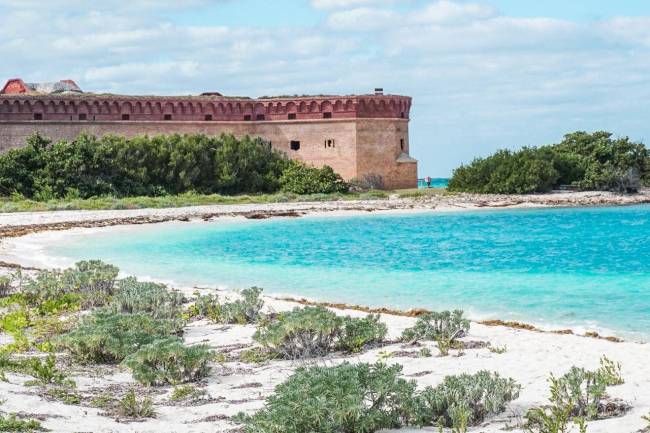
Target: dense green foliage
{"x": 131, "y": 406}
{"x": 155, "y": 166}
{"x": 364, "y": 398}
{"x": 240, "y": 311}
{"x": 108, "y": 337}
{"x": 11, "y": 423}
{"x": 297, "y": 178}
{"x": 584, "y": 161}
{"x": 135, "y": 296}
{"x": 316, "y": 331}
{"x": 445, "y": 325}
{"x": 168, "y": 361}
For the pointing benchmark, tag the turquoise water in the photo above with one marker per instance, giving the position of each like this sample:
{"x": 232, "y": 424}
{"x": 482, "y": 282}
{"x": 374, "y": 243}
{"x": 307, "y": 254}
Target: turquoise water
{"x": 436, "y": 182}
{"x": 580, "y": 268}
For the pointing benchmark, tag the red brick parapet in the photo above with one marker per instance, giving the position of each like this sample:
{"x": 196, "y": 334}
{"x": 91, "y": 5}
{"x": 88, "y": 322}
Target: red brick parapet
{"x": 116, "y": 108}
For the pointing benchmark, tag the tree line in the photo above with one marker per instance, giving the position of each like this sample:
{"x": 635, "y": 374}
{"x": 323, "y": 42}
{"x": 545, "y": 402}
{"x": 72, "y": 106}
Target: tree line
{"x": 583, "y": 161}
{"x": 91, "y": 166}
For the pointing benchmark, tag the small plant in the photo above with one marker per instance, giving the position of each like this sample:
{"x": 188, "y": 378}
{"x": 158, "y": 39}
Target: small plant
{"x": 135, "y": 296}
{"x": 463, "y": 400}
{"x": 316, "y": 331}
{"x": 425, "y": 352}
{"x": 257, "y": 355}
{"x": 11, "y": 423}
{"x": 499, "y": 350}
{"x": 106, "y": 337}
{"x": 345, "y": 398}
{"x": 241, "y": 311}
{"x": 132, "y": 407}
{"x": 187, "y": 392}
{"x": 94, "y": 279}
{"x": 103, "y": 401}
{"x": 5, "y": 286}
{"x": 447, "y": 326}
{"x": 45, "y": 371}
{"x": 168, "y": 361}
{"x": 64, "y": 395}
{"x": 610, "y": 372}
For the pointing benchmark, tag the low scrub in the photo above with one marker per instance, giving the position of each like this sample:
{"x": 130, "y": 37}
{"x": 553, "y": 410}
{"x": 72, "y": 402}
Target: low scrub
{"x": 444, "y": 327}
{"x": 241, "y": 311}
{"x": 366, "y": 398}
{"x": 577, "y": 396}
{"x": 94, "y": 279}
{"x": 316, "y": 331}
{"x": 130, "y": 406}
{"x": 168, "y": 361}
{"x": 43, "y": 370}
{"x": 135, "y": 296}
{"x": 107, "y": 337}
{"x": 298, "y": 178}
{"x": 11, "y": 423}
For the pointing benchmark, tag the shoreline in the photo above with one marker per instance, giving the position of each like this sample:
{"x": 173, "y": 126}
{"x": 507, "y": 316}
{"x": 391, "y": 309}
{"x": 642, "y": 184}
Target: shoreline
{"x": 531, "y": 354}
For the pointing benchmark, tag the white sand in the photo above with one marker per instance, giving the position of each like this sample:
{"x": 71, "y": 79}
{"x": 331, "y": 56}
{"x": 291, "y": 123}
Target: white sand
{"x": 530, "y": 358}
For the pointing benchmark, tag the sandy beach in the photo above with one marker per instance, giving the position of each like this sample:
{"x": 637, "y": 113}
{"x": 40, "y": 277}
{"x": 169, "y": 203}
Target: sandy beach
{"x": 234, "y": 386}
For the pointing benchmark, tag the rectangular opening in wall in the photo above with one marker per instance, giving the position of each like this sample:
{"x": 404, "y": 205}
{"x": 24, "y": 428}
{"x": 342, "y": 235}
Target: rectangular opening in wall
{"x": 126, "y": 117}
{"x": 208, "y": 117}
{"x": 83, "y": 116}
{"x": 260, "y": 117}
{"x": 402, "y": 115}
{"x": 295, "y": 145}
{"x": 292, "y": 116}
{"x": 401, "y": 143}
{"x": 327, "y": 115}
{"x": 167, "y": 117}
{"x": 38, "y": 116}
{"x": 247, "y": 117}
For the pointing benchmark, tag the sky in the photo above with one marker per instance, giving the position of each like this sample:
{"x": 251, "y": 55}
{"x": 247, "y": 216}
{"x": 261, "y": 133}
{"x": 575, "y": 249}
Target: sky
{"x": 483, "y": 74}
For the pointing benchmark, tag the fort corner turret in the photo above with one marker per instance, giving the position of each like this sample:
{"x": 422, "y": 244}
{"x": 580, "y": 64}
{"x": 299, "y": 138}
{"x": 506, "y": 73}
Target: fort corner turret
{"x": 357, "y": 135}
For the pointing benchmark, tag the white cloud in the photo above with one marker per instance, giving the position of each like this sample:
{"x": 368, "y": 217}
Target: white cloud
{"x": 343, "y": 4}
{"x": 362, "y": 19}
{"x": 448, "y": 12}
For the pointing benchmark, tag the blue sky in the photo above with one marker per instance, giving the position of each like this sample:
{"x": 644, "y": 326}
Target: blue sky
{"x": 484, "y": 74}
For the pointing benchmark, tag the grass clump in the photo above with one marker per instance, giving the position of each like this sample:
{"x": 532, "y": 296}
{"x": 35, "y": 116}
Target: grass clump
{"x": 345, "y": 398}
{"x": 130, "y": 406}
{"x": 135, "y": 296}
{"x": 43, "y": 370}
{"x": 168, "y": 361}
{"x": 577, "y": 396}
{"x": 11, "y": 423}
{"x": 107, "y": 337}
{"x": 316, "y": 331}
{"x": 187, "y": 393}
{"x": 64, "y": 395}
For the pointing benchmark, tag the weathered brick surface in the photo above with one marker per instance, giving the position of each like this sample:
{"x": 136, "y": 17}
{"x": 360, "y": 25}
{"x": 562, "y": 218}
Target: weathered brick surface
{"x": 355, "y": 135}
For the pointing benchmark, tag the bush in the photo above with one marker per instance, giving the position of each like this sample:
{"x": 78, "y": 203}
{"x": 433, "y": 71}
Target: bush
{"x": 347, "y": 398}
{"x": 577, "y": 395}
{"x": 297, "y": 178}
{"x": 316, "y": 331}
{"x": 107, "y": 337}
{"x": 187, "y": 393}
{"x": 168, "y": 361}
{"x": 5, "y": 286}
{"x": 135, "y": 296}
{"x": 132, "y": 407}
{"x": 241, "y": 311}
{"x": 582, "y": 160}
{"x": 11, "y": 423}
{"x": 464, "y": 400}
{"x": 94, "y": 279}
{"x": 445, "y": 326}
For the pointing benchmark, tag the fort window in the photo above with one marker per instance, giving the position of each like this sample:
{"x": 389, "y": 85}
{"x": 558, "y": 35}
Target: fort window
{"x": 292, "y": 116}
{"x": 329, "y": 143}
{"x": 126, "y": 117}
{"x": 260, "y": 117}
{"x": 401, "y": 143}
{"x": 38, "y": 116}
{"x": 167, "y": 117}
{"x": 83, "y": 116}
{"x": 295, "y": 145}
{"x": 401, "y": 115}
{"x": 327, "y": 115}
{"x": 247, "y": 117}
{"x": 208, "y": 117}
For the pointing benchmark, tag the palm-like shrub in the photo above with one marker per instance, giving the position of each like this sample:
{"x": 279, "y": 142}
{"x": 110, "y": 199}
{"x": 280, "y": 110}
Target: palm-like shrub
{"x": 135, "y": 296}
{"x": 466, "y": 399}
{"x": 168, "y": 361}
{"x": 241, "y": 311}
{"x": 446, "y": 326}
{"x": 316, "y": 331}
{"x": 94, "y": 279}
{"x": 347, "y": 398}
{"x": 107, "y": 337}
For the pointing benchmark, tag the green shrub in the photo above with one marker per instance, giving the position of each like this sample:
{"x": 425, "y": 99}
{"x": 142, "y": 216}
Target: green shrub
{"x": 466, "y": 399}
{"x": 241, "y": 311}
{"x": 5, "y": 286}
{"x": 135, "y": 296}
{"x": 64, "y": 395}
{"x": 132, "y": 407}
{"x": 315, "y": 331}
{"x": 359, "y": 398}
{"x": 576, "y": 396}
{"x": 106, "y": 337}
{"x": 168, "y": 361}
{"x": 582, "y": 160}
{"x": 446, "y": 326}
{"x": 187, "y": 392}
{"x": 297, "y": 178}
{"x": 94, "y": 279}
{"x": 11, "y": 423}
{"x": 45, "y": 371}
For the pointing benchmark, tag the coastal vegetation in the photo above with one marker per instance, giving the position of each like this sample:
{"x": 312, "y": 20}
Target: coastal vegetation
{"x": 583, "y": 161}
{"x": 113, "y": 166}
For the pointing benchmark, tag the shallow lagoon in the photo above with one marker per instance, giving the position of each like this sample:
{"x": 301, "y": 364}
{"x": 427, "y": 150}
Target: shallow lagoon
{"x": 578, "y": 267}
